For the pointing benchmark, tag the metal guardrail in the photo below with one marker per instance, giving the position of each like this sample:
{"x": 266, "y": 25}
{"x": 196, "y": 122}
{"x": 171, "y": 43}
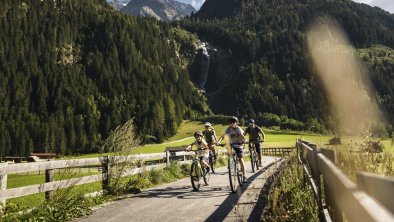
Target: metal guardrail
{"x": 370, "y": 199}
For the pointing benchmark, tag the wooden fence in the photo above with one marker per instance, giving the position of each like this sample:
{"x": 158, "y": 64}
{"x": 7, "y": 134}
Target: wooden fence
{"x": 370, "y": 199}
{"x": 49, "y": 166}
{"x": 277, "y": 151}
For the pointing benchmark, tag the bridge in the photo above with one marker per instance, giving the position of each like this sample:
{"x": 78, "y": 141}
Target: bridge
{"x": 178, "y": 202}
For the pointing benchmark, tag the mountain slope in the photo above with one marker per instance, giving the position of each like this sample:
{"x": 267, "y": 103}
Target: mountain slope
{"x": 166, "y": 10}
{"x": 71, "y": 71}
{"x": 267, "y": 67}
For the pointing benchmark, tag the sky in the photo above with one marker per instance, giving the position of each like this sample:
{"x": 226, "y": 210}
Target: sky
{"x": 387, "y": 5}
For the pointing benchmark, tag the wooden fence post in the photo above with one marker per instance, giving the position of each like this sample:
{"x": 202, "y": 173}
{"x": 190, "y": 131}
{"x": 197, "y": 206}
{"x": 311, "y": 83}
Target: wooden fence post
{"x": 105, "y": 172}
{"x": 167, "y": 158}
{"x": 333, "y": 209}
{"x": 3, "y": 186}
{"x": 48, "y": 178}
{"x": 316, "y": 177}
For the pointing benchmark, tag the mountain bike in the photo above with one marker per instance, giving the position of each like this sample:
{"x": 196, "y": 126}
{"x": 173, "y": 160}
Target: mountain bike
{"x": 234, "y": 170}
{"x": 254, "y": 156}
{"x": 198, "y": 173}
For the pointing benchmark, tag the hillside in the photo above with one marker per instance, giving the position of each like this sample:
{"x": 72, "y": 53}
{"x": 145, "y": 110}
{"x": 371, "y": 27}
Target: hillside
{"x": 71, "y": 71}
{"x": 165, "y": 10}
{"x": 259, "y": 57}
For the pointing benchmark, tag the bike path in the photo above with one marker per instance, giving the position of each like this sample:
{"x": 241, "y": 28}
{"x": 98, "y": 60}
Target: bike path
{"x": 178, "y": 202}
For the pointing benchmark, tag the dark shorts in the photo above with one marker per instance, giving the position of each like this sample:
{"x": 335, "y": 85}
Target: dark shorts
{"x": 239, "y": 151}
{"x": 258, "y": 147}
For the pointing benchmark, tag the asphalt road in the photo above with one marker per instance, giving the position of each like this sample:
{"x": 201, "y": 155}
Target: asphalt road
{"x": 178, "y": 202}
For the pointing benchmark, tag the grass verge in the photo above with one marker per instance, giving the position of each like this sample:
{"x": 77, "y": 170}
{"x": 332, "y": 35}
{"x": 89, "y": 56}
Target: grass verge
{"x": 291, "y": 199}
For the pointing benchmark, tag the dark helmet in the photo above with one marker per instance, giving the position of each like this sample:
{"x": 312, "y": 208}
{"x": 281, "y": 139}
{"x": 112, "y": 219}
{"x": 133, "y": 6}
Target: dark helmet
{"x": 251, "y": 121}
{"x": 233, "y": 119}
{"x": 197, "y": 133}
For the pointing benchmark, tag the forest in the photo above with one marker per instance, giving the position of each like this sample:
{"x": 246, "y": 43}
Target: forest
{"x": 263, "y": 64}
{"x": 72, "y": 71}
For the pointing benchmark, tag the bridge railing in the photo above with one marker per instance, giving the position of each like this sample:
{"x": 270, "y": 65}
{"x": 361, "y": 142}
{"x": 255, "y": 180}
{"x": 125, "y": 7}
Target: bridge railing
{"x": 370, "y": 199}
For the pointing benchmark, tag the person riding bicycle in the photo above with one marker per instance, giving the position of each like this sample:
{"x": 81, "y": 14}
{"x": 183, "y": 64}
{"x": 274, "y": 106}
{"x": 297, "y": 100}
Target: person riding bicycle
{"x": 254, "y": 136}
{"x": 210, "y": 137}
{"x": 203, "y": 149}
{"x": 237, "y": 140}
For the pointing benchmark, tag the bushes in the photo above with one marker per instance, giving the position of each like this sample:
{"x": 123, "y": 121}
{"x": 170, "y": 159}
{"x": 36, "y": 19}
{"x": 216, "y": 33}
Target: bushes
{"x": 66, "y": 205}
{"x": 291, "y": 199}
{"x": 154, "y": 177}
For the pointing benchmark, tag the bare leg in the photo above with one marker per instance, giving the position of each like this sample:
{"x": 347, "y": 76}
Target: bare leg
{"x": 241, "y": 160}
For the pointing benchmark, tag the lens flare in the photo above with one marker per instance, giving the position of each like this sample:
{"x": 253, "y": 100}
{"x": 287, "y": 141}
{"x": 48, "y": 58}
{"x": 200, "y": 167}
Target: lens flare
{"x": 345, "y": 79}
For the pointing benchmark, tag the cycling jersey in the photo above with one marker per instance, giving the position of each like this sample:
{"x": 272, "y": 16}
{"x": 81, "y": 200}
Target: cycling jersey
{"x": 202, "y": 147}
{"x": 235, "y": 136}
{"x": 208, "y": 135}
{"x": 254, "y": 133}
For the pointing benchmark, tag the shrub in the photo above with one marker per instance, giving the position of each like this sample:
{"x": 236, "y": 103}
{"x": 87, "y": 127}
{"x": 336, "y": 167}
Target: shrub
{"x": 269, "y": 119}
{"x": 292, "y": 124}
{"x": 157, "y": 176}
{"x": 291, "y": 199}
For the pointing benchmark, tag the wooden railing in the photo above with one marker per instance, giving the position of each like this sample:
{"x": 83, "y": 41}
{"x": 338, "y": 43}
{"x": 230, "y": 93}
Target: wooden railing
{"x": 370, "y": 199}
{"x": 277, "y": 151}
{"x": 49, "y": 166}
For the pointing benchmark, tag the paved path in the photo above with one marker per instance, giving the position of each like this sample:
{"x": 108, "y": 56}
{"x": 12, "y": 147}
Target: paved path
{"x": 178, "y": 202}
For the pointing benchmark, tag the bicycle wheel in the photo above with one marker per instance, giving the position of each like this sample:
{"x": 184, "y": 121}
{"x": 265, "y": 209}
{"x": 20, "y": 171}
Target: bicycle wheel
{"x": 252, "y": 158}
{"x": 195, "y": 176}
{"x": 256, "y": 157}
{"x": 212, "y": 162}
{"x": 239, "y": 173}
{"x": 232, "y": 174}
{"x": 206, "y": 176}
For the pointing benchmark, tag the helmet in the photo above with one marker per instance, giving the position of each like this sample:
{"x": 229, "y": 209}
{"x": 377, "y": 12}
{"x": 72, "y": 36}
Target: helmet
{"x": 251, "y": 121}
{"x": 208, "y": 124}
{"x": 233, "y": 119}
{"x": 197, "y": 133}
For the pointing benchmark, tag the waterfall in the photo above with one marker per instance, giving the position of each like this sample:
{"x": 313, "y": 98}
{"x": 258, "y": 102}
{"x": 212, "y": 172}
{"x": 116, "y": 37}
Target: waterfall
{"x": 205, "y": 61}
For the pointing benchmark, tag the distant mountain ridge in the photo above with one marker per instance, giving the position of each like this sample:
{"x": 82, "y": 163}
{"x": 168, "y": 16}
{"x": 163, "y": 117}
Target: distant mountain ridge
{"x": 165, "y": 10}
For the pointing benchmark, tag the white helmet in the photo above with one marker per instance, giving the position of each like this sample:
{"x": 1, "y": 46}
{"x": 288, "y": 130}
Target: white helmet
{"x": 208, "y": 124}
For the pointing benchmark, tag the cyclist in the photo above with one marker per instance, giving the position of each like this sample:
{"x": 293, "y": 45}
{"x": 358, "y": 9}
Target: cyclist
{"x": 203, "y": 149}
{"x": 237, "y": 140}
{"x": 210, "y": 137}
{"x": 254, "y": 136}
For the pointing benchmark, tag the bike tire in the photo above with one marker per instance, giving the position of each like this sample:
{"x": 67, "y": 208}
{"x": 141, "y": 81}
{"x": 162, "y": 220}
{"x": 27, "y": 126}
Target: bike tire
{"x": 232, "y": 174}
{"x": 206, "y": 177}
{"x": 257, "y": 160}
{"x": 252, "y": 158}
{"x": 212, "y": 162}
{"x": 195, "y": 176}
{"x": 239, "y": 173}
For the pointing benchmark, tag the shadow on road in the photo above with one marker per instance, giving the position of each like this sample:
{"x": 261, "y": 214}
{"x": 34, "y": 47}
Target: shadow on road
{"x": 221, "y": 213}
{"x": 185, "y": 192}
